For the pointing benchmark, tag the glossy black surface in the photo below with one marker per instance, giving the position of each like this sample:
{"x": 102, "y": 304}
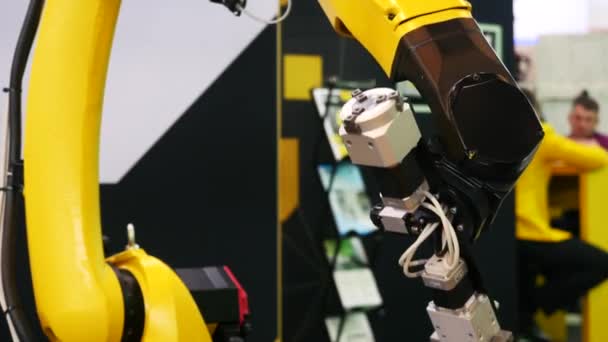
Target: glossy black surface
{"x": 486, "y": 131}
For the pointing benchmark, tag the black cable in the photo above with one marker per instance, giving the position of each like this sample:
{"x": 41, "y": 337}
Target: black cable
{"x": 15, "y": 172}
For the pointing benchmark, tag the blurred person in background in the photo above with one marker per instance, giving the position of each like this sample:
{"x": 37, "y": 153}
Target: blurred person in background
{"x": 570, "y": 267}
{"x": 584, "y": 118}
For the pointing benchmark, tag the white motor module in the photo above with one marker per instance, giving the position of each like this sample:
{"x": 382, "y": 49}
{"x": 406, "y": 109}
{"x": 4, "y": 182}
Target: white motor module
{"x": 378, "y": 129}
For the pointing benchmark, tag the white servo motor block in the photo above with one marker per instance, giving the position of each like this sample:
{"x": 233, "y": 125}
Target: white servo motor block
{"x": 378, "y": 129}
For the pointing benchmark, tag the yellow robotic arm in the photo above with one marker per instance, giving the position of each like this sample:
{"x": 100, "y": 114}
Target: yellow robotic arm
{"x": 380, "y": 24}
{"x": 486, "y": 133}
{"x": 436, "y": 44}
{"x": 80, "y": 296}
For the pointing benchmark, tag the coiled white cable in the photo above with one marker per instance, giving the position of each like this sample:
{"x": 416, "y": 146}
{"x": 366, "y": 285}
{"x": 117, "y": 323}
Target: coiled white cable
{"x": 449, "y": 240}
{"x": 406, "y": 258}
{"x": 451, "y": 259}
{"x": 269, "y": 22}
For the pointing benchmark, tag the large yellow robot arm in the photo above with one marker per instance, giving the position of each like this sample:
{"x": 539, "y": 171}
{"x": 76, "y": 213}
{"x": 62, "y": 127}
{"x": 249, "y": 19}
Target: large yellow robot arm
{"x": 486, "y": 133}
{"x": 486, "y": 130}
{"x": 80, "y": 295}
{"x": 379, "y": 25}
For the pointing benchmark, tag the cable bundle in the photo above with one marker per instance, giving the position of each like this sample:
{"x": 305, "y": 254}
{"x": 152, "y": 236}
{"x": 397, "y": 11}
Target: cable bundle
{"x": 264, "y": 21}
{"x": 449, "y": 240}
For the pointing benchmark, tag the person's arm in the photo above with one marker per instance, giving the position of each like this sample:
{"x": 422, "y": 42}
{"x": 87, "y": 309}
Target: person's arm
{"x": 574, "y": 154}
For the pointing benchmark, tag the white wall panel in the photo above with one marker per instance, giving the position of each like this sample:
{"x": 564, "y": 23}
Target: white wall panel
{"x": 166, "y": 54}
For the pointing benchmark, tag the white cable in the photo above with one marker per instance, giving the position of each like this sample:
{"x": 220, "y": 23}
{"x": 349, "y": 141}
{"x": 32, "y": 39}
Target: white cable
{"x": 452, "y": 238}
{"x": 446, "y": 237}
{"x": 406, "y": 258}
{"x": 264, "y": 21}
{"x": 449, "y": 239}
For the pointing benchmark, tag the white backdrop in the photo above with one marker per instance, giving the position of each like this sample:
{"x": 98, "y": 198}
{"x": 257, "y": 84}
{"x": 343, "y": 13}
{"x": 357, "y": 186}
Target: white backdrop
{"x": 535, "y": 18}
{"x": 567, "y": 64}
{"x": 166, "y": 54}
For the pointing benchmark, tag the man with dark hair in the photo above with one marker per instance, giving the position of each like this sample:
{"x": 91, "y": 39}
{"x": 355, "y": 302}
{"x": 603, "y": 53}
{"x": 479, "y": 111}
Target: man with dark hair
{"x": 584, "y": 119}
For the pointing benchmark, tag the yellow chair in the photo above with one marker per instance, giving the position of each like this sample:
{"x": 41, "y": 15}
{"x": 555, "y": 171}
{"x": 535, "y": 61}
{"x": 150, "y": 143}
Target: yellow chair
{"x": 590, "y": 189}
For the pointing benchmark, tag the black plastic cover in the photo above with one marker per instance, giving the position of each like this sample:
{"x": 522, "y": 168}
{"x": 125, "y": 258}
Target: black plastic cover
{"x": 486, "y": 130}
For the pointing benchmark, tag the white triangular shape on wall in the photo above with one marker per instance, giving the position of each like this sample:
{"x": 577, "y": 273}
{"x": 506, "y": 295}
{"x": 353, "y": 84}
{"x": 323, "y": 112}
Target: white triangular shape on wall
{"x": 165, "y": 55}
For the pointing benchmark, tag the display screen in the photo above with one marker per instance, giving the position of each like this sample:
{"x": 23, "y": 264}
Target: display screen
{"x": 348, "y": 199}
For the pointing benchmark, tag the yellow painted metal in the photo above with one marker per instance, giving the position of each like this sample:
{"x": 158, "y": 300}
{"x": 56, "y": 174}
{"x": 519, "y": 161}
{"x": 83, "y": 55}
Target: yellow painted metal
{"x": 289, "y": 177}
{"x": 301, "y": 74}
{"x": 77, "y": 294}
{"x": 171, "y": 313}
{"x": 379, "y": 24}
{"x": 593, "y": 187}
{"x": 554, "y": 325}
{"x": 591, "y": 197}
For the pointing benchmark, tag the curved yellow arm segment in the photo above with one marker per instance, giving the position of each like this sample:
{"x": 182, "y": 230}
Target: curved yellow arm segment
{"x": 78, "y": 296}
{"x": 379, "y": 24}
{"x": 171, "y": 313}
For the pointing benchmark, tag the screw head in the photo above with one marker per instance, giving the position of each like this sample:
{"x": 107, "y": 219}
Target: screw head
{"x": 381, "y": 99}
{"x": 361, "y": 98}
{"x": 358, "y": 110}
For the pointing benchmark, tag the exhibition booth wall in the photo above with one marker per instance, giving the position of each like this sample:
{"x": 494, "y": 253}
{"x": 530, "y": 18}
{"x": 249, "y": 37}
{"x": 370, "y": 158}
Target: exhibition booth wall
{"x": 188, "y": 151}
